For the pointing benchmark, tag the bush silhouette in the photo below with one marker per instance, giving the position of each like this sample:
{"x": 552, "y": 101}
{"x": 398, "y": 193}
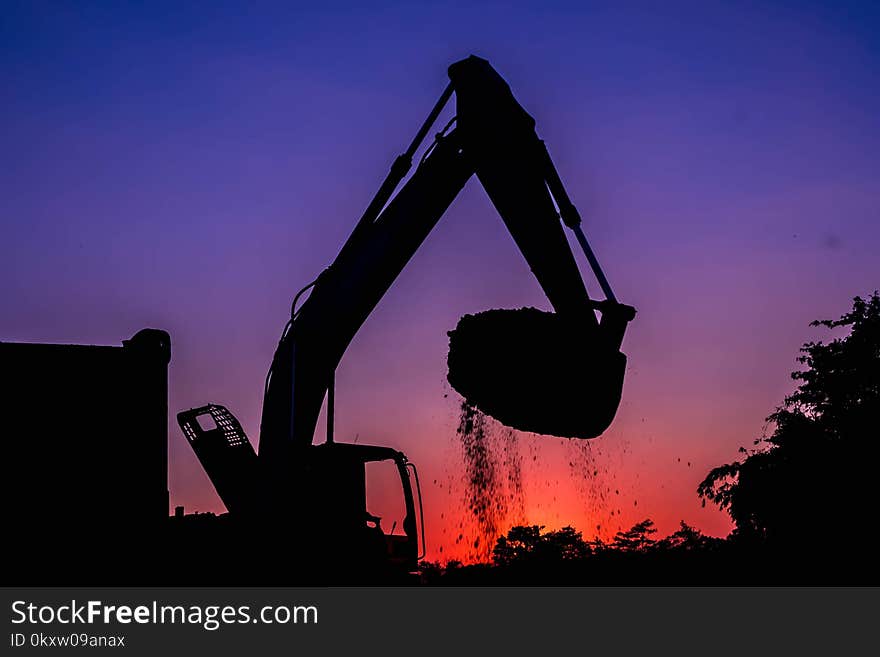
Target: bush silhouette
{"x": 525, "y": 544}
{"x": 810, "y": 484}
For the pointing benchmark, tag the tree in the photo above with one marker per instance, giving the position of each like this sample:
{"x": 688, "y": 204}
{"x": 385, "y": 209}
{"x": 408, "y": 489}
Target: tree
{"x": 688, "y": 538}
{"x": 814, "y": 474}
{"x": 566, "y": 544}
{"x": 637, "y": 538}
{"x": 526, "y": 544}
{"x": 520, "y": 543}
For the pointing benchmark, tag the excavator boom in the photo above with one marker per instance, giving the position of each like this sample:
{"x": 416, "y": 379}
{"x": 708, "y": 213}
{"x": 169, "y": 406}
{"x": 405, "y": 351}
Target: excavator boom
{"x": 494, "y": 139}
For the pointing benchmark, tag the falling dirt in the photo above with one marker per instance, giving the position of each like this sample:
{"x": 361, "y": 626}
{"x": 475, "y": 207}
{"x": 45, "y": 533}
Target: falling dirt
{"x": 490, "y": 467}
{"x": 513, "y": 468}
{"x": 482, "y": 481}
{"x": 595, "y": 479}
{"x": 481, "y": 475}
{"x": 491, "y": 487}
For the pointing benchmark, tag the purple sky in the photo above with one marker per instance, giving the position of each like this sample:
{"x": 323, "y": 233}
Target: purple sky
{"x": 190, "y": 169}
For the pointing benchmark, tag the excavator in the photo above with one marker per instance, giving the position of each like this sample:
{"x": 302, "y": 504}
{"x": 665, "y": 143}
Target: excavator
{"x": 558, "y": 373}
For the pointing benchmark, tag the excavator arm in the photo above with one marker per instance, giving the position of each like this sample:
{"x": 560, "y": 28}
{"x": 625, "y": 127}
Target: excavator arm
{"x": 494, "y": 139}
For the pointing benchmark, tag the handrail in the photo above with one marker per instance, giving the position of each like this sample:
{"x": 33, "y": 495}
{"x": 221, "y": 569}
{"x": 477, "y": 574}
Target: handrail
{"x": 412, "y": 465}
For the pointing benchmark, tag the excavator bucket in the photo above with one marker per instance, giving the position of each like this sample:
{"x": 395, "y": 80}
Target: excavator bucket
{"x": 537, "y": 371}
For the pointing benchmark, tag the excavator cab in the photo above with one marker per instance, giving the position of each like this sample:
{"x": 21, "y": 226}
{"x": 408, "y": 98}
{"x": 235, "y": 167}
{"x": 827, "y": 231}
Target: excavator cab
{"x": 328, "y": 501}
{"x": 341, "y": 510}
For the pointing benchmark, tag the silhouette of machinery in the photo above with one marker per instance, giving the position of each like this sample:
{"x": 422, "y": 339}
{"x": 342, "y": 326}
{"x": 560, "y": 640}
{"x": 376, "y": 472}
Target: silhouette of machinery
{"x": 85, "y": 427}
{"x": 85, "y": 441}
{"x": 558, "y": 373}
{"x": 224, "y": 452}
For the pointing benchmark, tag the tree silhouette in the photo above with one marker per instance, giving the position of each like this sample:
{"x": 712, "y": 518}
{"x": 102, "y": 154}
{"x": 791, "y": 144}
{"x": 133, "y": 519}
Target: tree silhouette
{"x": 813, "y": 476}
{"x": 635, "y": 539}
{"x": 520, "y": 543}
{"x": 524, "y": 544}
{"x": 689, "y": 539}
{"x": 566, "y": 544}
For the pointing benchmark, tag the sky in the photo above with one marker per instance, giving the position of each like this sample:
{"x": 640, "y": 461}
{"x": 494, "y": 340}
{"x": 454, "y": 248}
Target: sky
{"x": 190, "y": 166}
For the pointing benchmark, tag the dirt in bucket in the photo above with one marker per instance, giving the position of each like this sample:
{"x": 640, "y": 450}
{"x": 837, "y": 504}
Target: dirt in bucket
{"x": 536, "y": 371}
